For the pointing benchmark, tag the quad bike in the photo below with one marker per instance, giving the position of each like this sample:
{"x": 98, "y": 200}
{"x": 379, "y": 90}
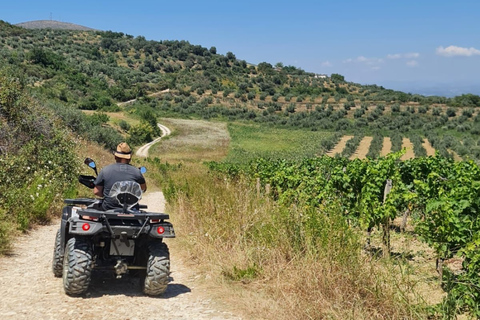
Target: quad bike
{"x": 125, "y": 240}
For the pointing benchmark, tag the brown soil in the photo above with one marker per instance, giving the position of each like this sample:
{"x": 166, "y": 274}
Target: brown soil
{"x": 428, "y": 147}
{"x": 362, "y": 150}
{"x": 387, "y": 146}
{"x": 408, "y": 145}
{"x": 340, "y": 146}
{"x": 455, "y": 155}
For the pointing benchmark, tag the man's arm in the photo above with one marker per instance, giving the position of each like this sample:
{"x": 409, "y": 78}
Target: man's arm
{"x": 98, "y": 191}
{"x": 99, "y": 184}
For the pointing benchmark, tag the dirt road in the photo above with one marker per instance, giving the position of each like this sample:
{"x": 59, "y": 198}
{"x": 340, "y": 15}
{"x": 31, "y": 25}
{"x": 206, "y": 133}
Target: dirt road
{"x": 143, "y": 150}
{"x": 155, "y": 94}
{"x": 28, "y": 289}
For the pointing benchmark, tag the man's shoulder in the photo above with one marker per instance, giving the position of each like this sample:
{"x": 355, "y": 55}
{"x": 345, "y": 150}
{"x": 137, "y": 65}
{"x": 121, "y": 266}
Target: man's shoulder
{"x": 122, "y": 167}
{"x": 110, "y": 167}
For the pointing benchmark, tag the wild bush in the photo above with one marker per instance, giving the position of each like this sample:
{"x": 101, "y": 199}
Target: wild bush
{"x": 37, "y": 159}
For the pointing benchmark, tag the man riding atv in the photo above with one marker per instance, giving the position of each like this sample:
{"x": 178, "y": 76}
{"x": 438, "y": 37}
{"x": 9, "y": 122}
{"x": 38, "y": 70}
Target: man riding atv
{"x": 115, "y": 233}
{"x": 121, "y": 170}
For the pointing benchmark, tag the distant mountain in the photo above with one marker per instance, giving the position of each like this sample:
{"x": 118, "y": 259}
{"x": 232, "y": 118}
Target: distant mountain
{"x": 52, "y": 24}
{"x": 448, "y": 90}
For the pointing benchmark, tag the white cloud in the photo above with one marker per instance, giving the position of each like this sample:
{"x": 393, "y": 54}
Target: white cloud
{"x": 453, "y": 51}
{"x": 394, "y": 56}
{"x": 372, "y": 63}
{"x": 410, "y": 55}
{"x": 327, "y": 64}
{"x": 412, "y": 63}
{"x": 365, "y": 60}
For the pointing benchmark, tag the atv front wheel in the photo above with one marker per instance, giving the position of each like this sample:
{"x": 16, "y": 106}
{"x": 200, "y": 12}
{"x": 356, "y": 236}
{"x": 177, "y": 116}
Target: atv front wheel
{"x": 57, "y": 262}
{"x": 158, "y": 269}
{"x": 77, "y": 266}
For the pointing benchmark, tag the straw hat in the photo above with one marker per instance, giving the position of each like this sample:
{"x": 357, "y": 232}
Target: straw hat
{"x": 123, "y": 151}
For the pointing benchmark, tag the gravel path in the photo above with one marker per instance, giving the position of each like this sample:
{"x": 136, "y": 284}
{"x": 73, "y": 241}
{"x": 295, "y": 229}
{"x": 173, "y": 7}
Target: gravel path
{"x": 28, "y": 289}
{"x": 143, "y": 150}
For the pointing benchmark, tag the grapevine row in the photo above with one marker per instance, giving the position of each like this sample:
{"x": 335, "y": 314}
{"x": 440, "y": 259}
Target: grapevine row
{"x": 444, "y": 195}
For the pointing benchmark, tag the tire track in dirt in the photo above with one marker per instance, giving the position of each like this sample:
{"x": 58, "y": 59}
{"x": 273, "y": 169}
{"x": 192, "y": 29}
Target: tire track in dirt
{"x": 28, "y": 289}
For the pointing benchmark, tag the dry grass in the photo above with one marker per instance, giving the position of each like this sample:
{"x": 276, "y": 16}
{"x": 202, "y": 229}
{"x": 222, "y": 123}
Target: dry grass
{"x": 192, "y": 141}
{"x": 244, "y": 242}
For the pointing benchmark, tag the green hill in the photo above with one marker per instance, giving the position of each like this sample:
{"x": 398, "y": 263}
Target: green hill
{"x": 96, "y": 70}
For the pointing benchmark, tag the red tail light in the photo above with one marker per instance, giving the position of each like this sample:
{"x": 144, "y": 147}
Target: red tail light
{"x": 86, "y": 227}
{"x": 160, "y": 230}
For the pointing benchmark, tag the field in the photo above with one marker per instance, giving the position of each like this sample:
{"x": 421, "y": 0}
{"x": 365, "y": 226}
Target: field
{"x": 228, "y": 224}
{"x": 201, "y": 140}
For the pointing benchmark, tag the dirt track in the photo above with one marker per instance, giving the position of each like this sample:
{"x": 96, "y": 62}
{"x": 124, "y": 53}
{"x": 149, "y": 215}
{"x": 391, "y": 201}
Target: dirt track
{"x": 143, "y": 151}
{"x": 28, "y": 289}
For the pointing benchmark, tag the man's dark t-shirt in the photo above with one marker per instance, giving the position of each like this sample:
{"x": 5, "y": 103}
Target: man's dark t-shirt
{"x": 114, "y": 173}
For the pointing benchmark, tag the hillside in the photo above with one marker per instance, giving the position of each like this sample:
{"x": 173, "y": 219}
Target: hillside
{"x": 51, "y": 24}
{"x": 96, "y": 70}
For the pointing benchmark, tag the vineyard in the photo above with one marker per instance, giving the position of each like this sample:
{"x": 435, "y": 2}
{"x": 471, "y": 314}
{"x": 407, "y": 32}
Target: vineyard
{"x": 381, "y": 146}
{"x": 438, "y": 194}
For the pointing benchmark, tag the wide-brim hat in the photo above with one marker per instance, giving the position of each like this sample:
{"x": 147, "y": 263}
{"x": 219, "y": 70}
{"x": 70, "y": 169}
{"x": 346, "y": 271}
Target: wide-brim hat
{"x": 123, "y": 151}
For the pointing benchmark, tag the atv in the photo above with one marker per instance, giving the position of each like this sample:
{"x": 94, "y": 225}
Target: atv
{"x": 124, "y": 240}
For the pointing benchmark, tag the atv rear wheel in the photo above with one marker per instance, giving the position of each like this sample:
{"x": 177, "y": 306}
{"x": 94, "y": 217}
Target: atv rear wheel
{"x": 158, "y": 269}
{"x": 57, "y": 262}
{"x": 77, "y": 266}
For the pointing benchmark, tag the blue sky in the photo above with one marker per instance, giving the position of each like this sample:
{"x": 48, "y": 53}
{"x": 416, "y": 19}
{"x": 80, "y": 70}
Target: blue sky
{"x": 413, "y": 46}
